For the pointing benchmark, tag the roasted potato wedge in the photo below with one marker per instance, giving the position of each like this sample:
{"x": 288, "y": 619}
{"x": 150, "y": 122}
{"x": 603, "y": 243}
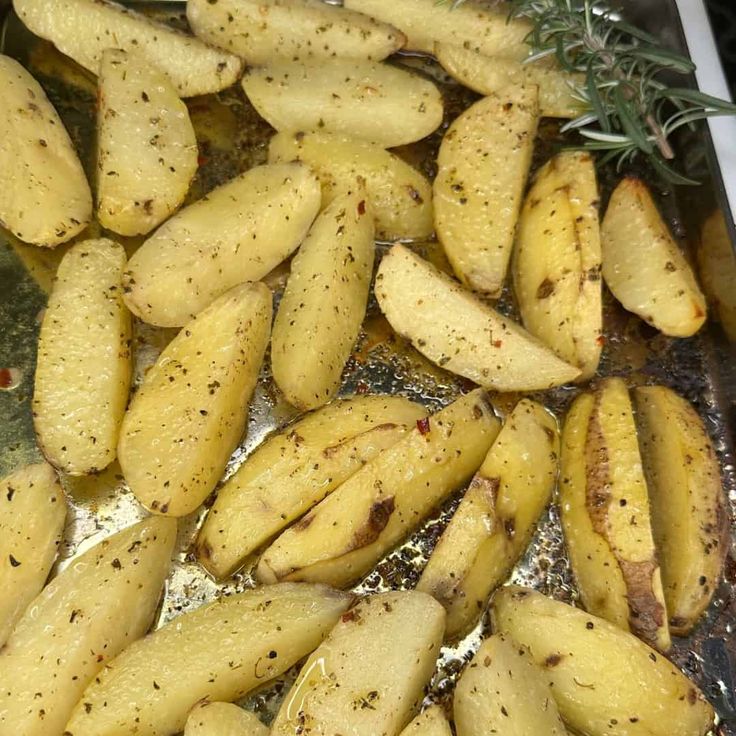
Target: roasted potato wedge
{"x": 472, "y": 24}
{"x": 94, "y": 608}
{"x": 502, "y": 690}
{"x": 294, "y": 470}
{"x": 221, "y": 651}
{"x": 401, "y": 196}
{"x": 146, "y": 149}
{"x": 347, "y": 533}
{"x": 32, "y": 514}
{"x": 190, "y": 412}
{"x": 496, "y": 518}
{"x": 458, "y": 332}
{"x": 606, "y": 515}
{"x": 44, "y": 195}
{"x": 324, "y": 303}
{"x": 644, "y": 267}
{"x": 430, "y": 722}
{"x": 489, "y": 74}
{"x": 77, "y": 406}
{"x": 689, "y": 516}
{"x": 238, "y": 232}
{"x": 368, "y": 676}
{"x": 223, "y": 719}
{"x": 261, "y": 31}
{"x": 605, "y": 681}
{"x": 482, "y": 167}
{"x": 371, "y": 101}
{"x": 84, "y": 29}
{"x": 557, "y": 261}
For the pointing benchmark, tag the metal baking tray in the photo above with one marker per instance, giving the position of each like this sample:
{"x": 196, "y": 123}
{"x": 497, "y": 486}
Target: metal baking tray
{"x": 233, "y": 138}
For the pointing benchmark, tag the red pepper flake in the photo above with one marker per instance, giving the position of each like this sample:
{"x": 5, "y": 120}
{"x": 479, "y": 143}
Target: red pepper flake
{"x": 361, "y": 388}
{"x": 9, "y": 378}
{"x": 600, "y": 340}
{"x": 361, "y": 207}
{"x": 202, "y": 160}
{"x": 497, "y": 343}
{"x": 423, "y": 425}
{"x": 348, "y": 617}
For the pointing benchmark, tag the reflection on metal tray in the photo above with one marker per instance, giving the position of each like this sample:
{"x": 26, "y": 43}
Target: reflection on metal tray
{"x": 233, "y": 138}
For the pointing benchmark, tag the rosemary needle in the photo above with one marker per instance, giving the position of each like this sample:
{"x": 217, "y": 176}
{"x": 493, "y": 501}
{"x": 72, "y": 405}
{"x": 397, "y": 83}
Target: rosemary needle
{"x": 628, "y": 110}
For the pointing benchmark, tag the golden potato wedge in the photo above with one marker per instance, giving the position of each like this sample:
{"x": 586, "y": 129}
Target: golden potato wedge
{"x": 644, "y": 267}
{"x": 146, "y": 149}
{"x": 238, "y": 232}
{"x": 221, "y": 651}
{"x": 502, "y": 690}
{"x": 496, "y": 518}
{"x": 489, "y": 74}
{"x": 32, "y": 514}
{"x": 44, "y": 195}
{"x": 368, "y": 676}
{"x": 400, "y": 195}
{"x": 482, "y": 167}
{"x": 263, "y": 30}
{"x": 605, "y": 681}
{"x": 341, "y": 538}
{"x": 472, "y": 24}
{"x": 78, "y": 407}
{"x": 430, "y": 722}
{"x": 375, "y": 102}
{"x": 102, "y": 601}
{"x": 294, "y": 470}
{"x": 189, "y": 415}
{"x": 223, "y": 719}
{"x": 324, "y": 303}
{"x": 83, "y": 29}
{"x": 458, "y": 332}
{"x": 606, "y": 515}
{"x": 557, "y": 261}
{"x": 689, "y": 516}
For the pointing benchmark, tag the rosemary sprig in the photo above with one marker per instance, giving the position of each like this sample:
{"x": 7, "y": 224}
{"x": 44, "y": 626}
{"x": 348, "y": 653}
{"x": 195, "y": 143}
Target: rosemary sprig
{"x": 628, "y": 110}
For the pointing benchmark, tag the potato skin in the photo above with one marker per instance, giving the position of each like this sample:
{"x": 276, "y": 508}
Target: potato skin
{"x": 323, "y": 305}
{"x": 77, "y": 406}
{"x": 44, "y": 195}
{"x": 689, "y": 514}
{"x": 643, "y": 266}
{"x": 605, "y": 681}
{"x": 606, "y": 515}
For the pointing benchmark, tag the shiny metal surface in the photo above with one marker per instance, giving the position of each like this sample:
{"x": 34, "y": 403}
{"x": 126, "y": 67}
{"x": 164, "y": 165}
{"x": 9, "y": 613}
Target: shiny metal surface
{"x": 233, "y": 138}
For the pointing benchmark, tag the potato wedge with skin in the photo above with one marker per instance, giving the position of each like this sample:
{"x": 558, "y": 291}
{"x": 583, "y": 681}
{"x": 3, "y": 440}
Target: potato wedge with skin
{"x": 78, "y": 406}
{"x": 294, "y": 470}
{"x": 482, "y": 167}
{"x": 101, "y": 602}
{"x": 471, "y": 24}
{"x": 400, "y": 195}
{"x": 606, "y": 515}
{"x": 221, "y": 650}
{"x": 458, "y": 332}
{"x": 368, "y": 676}
{"x": 375, "y": 102}
{"x": 341, "y": 538}
{"x": 689, "y": 516}
{"x": 605, "y": 681}
{"x": 84, "y": 29}
{"x": 324, "y": 302}
{"x": 223, "y": 719}
{"x": 44, "y": 198}
{"x": 190, "y": 412}
{"x": 263, "y": 30}
{"x": 557, "y": 261}
{"x": 32, "y": 514}
{"x": 430, "y": 722}
{"x": 488, "y": 74}
{"x": 643, "y": 266}
{"x": 502, "y": 690}
{"x": 496, "y": 518}
{"x": 238, "y": 232}
{"x": 146, "y": 149}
